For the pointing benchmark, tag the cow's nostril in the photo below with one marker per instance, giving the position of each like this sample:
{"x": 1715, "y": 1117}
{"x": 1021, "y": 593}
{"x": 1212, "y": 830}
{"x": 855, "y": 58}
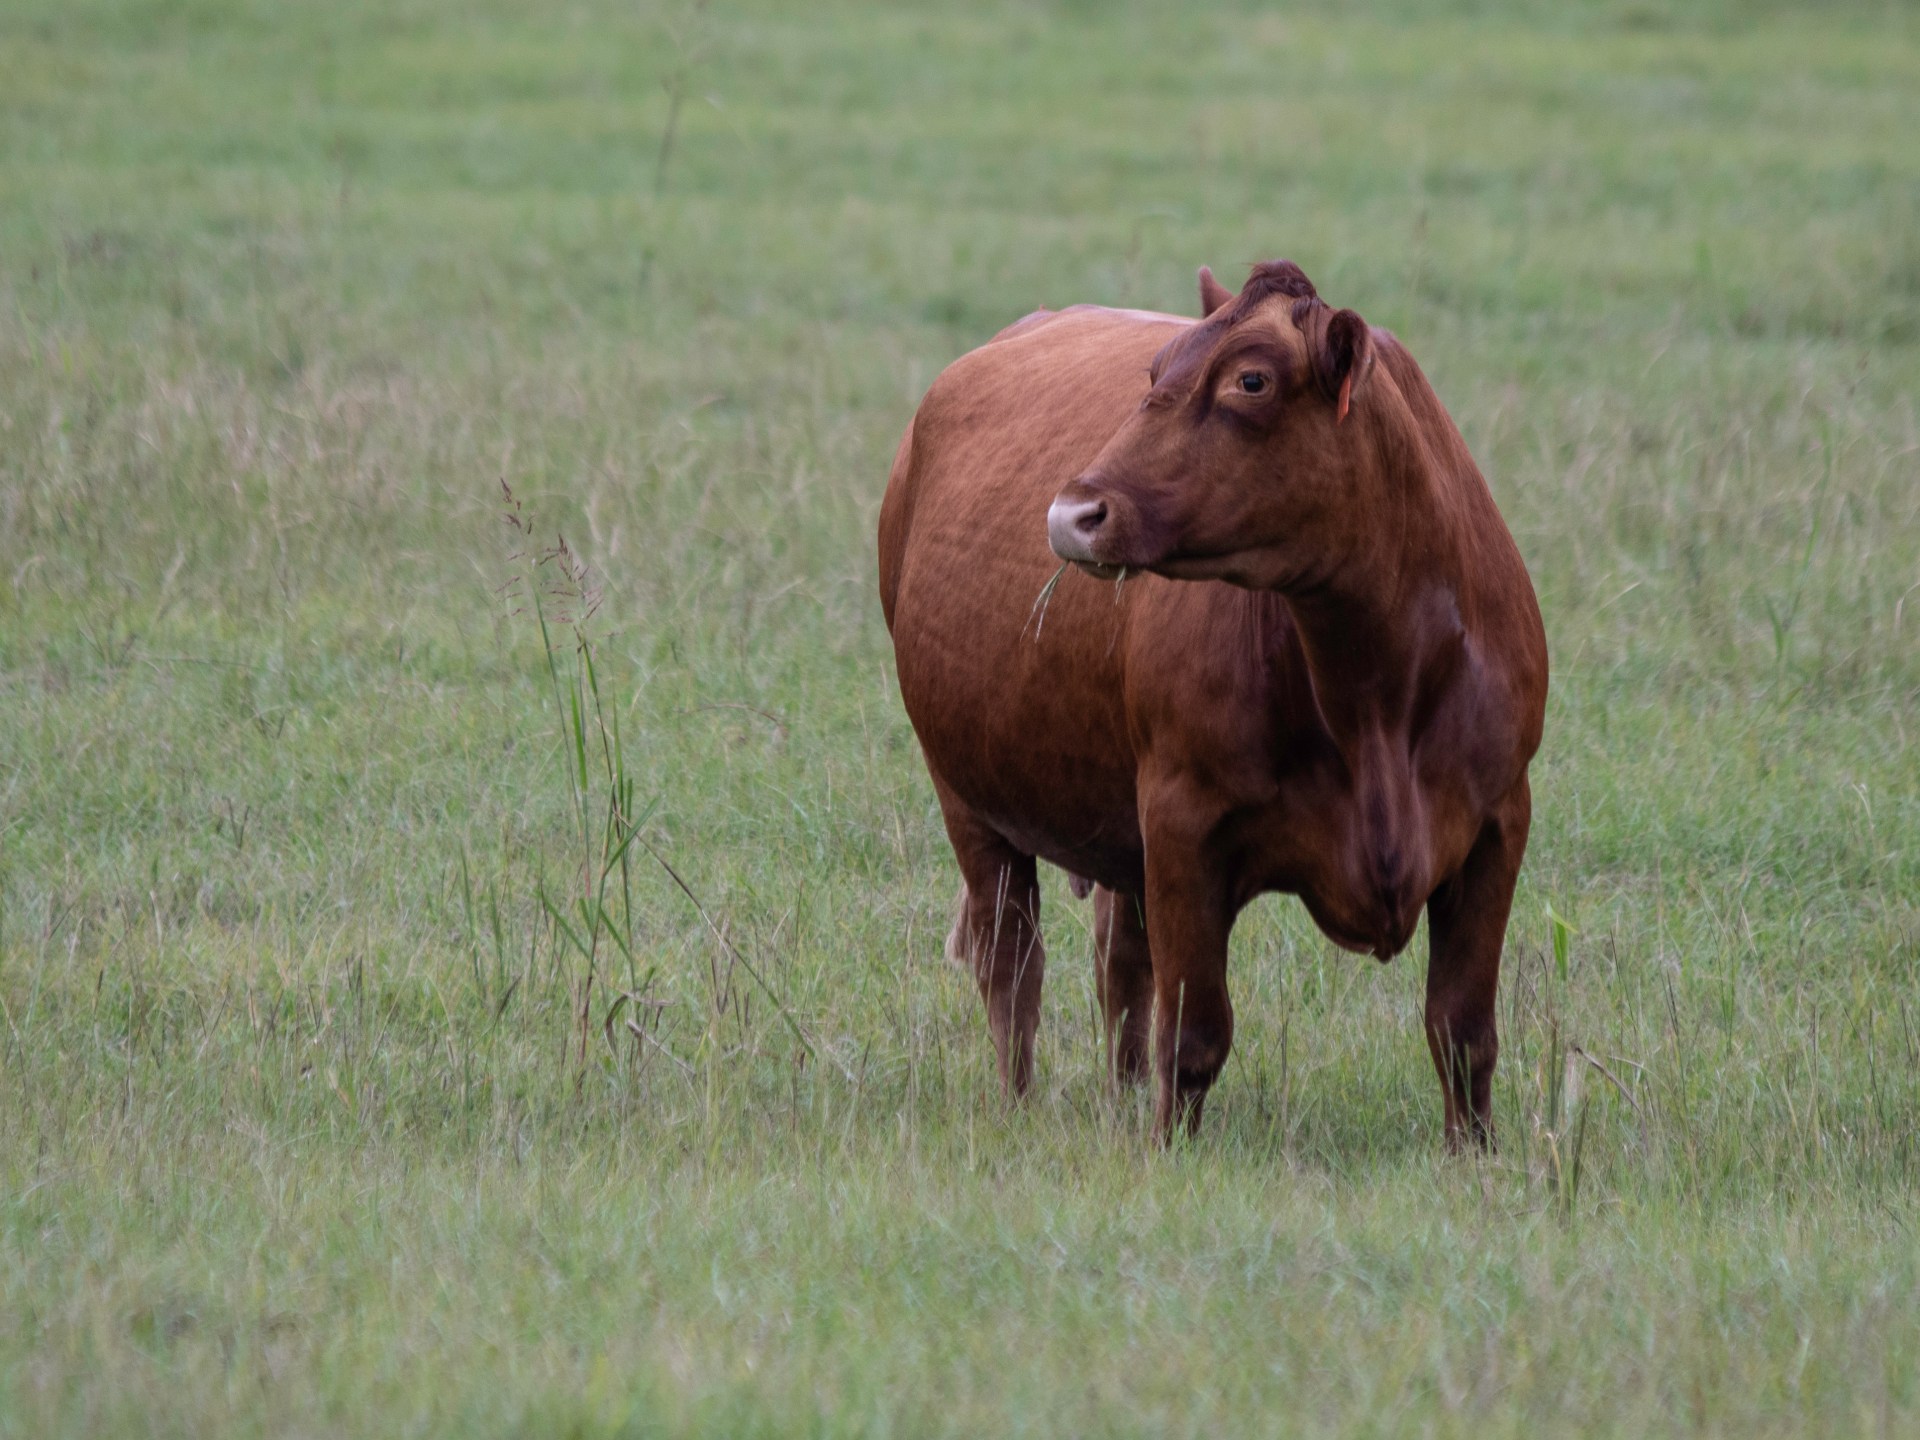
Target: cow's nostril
{"x": 1074, "y": 527}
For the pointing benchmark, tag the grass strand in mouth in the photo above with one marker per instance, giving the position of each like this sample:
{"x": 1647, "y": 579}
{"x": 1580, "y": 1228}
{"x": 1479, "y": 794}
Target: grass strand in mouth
{"x": 1037, "y": 616}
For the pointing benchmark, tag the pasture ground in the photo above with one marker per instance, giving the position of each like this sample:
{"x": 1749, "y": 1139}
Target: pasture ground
{"x": 301, "y": 1131}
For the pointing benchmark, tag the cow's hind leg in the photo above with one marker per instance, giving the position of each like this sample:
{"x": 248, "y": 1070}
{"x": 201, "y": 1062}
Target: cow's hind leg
{"x": 996, "y": 935}
{"x": 1123, "y": 970}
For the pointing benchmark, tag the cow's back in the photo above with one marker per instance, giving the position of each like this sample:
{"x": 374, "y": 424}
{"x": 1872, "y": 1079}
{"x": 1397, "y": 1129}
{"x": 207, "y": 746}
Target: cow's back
{"x": 1016, "y": 693}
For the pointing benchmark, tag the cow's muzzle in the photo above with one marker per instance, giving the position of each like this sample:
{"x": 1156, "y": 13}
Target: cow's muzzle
{"x": 1076, "y": 524}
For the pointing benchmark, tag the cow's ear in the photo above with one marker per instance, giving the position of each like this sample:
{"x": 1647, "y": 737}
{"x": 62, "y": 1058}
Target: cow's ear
{"x": 1344, "y": 359}
{"x": 1212, "y": 293}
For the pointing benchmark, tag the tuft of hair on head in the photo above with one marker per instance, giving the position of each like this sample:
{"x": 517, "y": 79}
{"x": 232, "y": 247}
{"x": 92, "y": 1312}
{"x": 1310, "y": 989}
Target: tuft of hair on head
{"x": 1271, "y": 278}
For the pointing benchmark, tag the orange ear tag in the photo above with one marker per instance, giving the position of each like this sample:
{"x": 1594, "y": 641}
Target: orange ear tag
{"x": 1346, "y": 399}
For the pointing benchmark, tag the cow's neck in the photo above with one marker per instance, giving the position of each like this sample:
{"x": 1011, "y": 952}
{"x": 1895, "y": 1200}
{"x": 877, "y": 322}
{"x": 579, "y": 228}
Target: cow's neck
{"x": 1383, "y": 629}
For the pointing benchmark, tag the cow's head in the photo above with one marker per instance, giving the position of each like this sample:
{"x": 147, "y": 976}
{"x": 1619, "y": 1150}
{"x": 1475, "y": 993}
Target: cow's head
{"x": 1241, "y": 462}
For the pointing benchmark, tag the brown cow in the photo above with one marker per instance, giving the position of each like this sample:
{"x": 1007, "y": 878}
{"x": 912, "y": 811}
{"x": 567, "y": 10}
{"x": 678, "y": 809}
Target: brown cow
{"x": 1348, "y": 717}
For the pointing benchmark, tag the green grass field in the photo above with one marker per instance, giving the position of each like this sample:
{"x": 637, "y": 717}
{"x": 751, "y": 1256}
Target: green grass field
{"x": 314, "y": 1119}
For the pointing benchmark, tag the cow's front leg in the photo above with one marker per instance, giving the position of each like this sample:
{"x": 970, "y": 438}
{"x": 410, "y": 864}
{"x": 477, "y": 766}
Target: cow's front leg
{"x": 1188, "y": 922}
{"x": 1466, "y": 928}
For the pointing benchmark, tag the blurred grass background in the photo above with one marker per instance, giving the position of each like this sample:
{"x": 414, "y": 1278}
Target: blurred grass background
{"x": 298, "y": 1131}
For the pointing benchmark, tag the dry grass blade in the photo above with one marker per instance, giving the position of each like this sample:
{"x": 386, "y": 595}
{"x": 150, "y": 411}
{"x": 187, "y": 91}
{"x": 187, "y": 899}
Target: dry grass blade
{"x": 806, "y": 1042}
{"x": 646, "y": 1037}
{"x": 1610, "y": 1077}
{"x": 1037, "y": 616}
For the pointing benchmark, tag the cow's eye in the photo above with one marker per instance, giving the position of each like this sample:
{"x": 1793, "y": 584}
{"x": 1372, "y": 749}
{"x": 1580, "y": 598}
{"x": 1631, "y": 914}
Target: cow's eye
{"x": 1252, "y": 382}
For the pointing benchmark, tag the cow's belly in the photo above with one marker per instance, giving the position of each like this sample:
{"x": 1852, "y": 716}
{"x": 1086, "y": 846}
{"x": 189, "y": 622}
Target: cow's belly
{"x": 1020, "y": 715}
